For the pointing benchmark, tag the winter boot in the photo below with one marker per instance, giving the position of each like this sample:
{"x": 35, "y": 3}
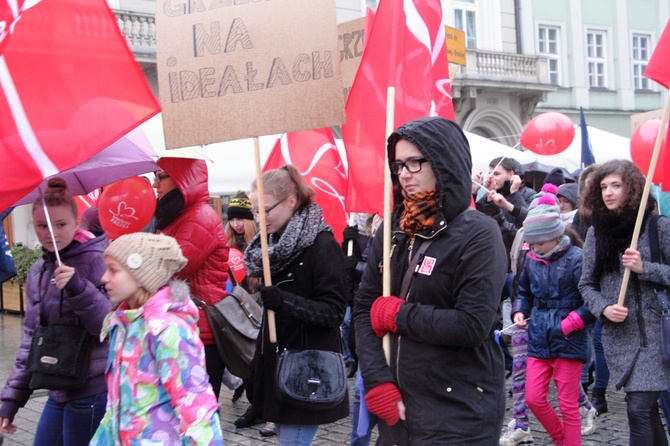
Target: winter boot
{"x": 598, "y": 400}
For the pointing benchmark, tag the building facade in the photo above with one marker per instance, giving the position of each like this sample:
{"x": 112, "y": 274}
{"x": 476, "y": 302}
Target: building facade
{"x": 523, "y": 57}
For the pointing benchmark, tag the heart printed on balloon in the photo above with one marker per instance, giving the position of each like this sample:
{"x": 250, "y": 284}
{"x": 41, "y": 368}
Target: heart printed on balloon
{"x": 548, "y": 133}
{"x": 236, "y": 264}
{"x": 126, "y": 206}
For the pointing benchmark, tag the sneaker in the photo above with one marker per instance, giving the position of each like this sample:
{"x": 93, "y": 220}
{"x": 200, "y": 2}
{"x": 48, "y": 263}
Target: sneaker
{"x": 588, "y": 417}
{"x": 513, "y": 436}
{"x": 268, "y": 430}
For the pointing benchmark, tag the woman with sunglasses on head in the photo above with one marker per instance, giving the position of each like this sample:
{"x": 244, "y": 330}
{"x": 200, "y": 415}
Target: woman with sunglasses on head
{"x": 630, "y": 332}
{"x": 307, "y": 296}
{"x": 446, "y": 380}
{"x": 183, "y": 212}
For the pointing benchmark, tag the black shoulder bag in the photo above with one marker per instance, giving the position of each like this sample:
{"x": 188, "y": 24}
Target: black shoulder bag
{"x": 59, "y": 355}
{"x": 661, "y": 294}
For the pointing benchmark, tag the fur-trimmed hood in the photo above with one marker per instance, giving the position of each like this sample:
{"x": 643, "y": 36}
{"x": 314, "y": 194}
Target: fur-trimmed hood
{"x": 170, "y": 301}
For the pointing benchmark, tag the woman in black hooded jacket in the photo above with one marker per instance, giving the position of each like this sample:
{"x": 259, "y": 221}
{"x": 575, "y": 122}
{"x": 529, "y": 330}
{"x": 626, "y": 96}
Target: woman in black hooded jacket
{"x": 446, "y": 379}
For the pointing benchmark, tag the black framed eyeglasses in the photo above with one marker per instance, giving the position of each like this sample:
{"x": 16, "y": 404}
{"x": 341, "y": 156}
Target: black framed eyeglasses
{"x": 413, "y": 165}
{"x": 267, "y": 211}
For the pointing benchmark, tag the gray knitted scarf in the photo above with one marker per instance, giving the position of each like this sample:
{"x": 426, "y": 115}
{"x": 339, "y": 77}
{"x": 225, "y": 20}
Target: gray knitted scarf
{"x": 283, "y": 248}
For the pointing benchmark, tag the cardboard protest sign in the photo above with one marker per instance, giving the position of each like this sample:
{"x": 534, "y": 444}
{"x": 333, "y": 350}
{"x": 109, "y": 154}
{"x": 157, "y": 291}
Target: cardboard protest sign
{"x": 232, "y": 69}
{"x": 350, "y": 43}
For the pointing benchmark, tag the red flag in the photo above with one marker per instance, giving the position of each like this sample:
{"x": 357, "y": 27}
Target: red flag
{"x": 658, "y": 68}
{"x": 315, "y": 155}
{"x": 69, "y": 87}
{"x": 407, "y": 50}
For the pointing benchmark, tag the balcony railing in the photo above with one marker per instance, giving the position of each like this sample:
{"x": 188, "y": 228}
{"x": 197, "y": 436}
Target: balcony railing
{"x": 140, "y": 32}
{"x": 485, "y": 65}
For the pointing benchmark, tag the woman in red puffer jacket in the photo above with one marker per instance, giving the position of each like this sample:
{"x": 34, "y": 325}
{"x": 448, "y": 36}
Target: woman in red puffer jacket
{"x": 183, "y": 212}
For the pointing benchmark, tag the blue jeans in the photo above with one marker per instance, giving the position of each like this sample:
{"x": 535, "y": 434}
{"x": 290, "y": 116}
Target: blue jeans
{"x": 602, "y": 371}
{"x": 295, "y": 434}
{"x": 356, "y": 439}
{"x": 664, "y": 403}
{"x": 589, "y": 354}
{"x": 348, "y": 357}
{"x": 72, "y": 423}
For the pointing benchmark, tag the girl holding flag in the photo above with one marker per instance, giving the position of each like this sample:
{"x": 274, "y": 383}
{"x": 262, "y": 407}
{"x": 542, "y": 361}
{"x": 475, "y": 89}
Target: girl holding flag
{"x": 630, "y": 332}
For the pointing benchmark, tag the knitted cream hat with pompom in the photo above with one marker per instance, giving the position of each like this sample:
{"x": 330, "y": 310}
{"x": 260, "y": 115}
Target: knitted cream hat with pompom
{"x": 152, "y": 259}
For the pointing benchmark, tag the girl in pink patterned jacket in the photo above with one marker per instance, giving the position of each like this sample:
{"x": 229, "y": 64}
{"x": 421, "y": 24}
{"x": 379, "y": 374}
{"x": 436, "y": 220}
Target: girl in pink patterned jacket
{"x": 158, "y": 388}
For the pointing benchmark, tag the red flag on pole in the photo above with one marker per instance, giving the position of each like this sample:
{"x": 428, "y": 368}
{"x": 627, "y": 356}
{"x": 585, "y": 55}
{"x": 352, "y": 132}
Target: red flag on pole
{"x": 69, "y": 87}
{"x": 658, "y": 68}
{"x": 315, "y": 155}
{"x": 406, "y": 49}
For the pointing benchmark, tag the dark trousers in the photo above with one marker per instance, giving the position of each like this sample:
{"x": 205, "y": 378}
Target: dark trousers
{"x": 644, "y": 421}
{"x": 215, "y": 368}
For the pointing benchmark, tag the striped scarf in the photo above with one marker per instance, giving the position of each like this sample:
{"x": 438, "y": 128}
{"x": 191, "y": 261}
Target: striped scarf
{"x": 419, "y": 211}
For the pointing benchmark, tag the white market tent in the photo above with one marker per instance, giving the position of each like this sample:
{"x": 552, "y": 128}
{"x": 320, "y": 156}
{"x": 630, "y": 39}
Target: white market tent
{"x": 606, "y": 146}
{"x": 232, "y": 163}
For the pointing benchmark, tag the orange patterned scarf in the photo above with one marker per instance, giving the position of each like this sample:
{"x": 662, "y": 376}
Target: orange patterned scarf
{"x": 419, "y": 211}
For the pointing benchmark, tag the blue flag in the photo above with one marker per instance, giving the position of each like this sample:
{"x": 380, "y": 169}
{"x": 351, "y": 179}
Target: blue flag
{"x": 7, "y": 268}
{"x": 587, "y": 152}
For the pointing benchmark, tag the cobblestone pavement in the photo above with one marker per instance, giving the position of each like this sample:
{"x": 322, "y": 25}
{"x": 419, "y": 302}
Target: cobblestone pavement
{"x": 611, "y": 427}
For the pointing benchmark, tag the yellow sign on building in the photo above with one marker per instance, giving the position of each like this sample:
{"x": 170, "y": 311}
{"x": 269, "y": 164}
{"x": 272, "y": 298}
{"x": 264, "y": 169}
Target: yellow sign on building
{"x": 455, "y": 45}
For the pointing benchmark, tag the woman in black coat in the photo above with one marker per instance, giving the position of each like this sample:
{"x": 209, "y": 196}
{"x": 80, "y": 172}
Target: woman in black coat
{"x": 447, "y": 378}
{"x": 307, "y": 296}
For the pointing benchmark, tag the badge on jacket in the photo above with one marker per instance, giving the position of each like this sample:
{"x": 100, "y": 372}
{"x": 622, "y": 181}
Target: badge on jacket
{"x": 427, "y": 265}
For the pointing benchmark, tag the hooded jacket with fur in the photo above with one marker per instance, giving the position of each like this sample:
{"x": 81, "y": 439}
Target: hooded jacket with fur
{"x": 158, "y": 385}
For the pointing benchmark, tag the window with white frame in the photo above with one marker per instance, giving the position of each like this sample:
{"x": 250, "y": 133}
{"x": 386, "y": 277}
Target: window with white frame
{"x": 548, "y": 38}
{"x": 596, "y": 58}
{"x": 465, "y": 19}
{"x": 641, "y": 55}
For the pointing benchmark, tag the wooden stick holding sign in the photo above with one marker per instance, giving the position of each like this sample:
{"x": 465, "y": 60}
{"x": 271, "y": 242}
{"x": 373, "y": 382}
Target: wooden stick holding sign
{"x": 267, "y": 276}
{"x": 645, "y": 196}
{"x": 388, "y": 188}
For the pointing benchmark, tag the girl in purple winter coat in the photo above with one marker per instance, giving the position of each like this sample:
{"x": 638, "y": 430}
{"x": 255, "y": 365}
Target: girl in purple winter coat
{"x": 66, "y": 293}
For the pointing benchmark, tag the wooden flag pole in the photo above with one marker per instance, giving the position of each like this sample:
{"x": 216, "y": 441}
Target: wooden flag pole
{"x": 645, "y": 196}
{"x": 388, "y": 188}
{"x": 267, "y": 276}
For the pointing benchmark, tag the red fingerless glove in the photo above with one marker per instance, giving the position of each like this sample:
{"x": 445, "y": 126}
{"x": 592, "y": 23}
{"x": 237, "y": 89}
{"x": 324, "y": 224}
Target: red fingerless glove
{"x": 382, "y": 400}
{"x": 572, "y": 322}
{"x": 383, "y": 313}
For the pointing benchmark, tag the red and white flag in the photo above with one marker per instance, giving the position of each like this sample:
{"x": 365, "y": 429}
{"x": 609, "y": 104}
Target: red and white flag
{"x": 406, "y": 49}
{"x": 315, "y": 155}
{"x": 69, "y": 87}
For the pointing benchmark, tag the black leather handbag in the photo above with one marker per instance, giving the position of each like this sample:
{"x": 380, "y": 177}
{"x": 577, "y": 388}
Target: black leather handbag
{"x": 311, "y": 379}
{"x": 59, "y": 356}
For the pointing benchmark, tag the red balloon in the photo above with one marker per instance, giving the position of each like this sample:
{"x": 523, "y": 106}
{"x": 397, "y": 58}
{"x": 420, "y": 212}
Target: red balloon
{"x": 236, "y": 263}
{"x": 548, "y": 134}
{"x": 126, "y": 206}
{"x": 642, "y": 146}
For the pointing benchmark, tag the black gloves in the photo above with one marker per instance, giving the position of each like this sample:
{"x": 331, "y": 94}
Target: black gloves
{"x": 272, "y": 297}
{"x": 349, "y": 233}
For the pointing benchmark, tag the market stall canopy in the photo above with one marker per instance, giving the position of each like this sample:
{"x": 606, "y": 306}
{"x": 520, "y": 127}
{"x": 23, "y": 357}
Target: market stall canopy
{"x": 605, "y": 145}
